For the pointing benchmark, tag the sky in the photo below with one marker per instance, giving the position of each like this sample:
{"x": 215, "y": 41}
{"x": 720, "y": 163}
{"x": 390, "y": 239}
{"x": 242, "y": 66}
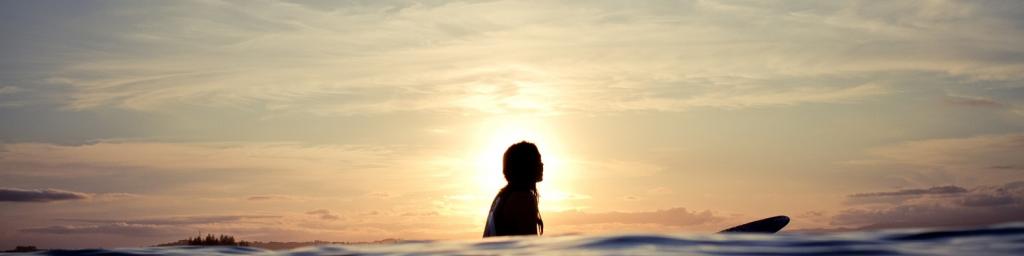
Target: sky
{"x": 133, "y": 123}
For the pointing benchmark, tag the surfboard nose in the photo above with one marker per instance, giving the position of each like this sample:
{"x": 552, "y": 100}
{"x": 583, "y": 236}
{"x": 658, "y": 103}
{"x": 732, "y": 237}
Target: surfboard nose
{"x": 768, "y": 225}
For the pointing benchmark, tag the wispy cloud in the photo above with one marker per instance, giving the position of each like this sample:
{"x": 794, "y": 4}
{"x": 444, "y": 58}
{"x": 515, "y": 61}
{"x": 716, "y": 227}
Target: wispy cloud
{"x": 269, "y": 197}
{"x": 177, "y": 156}
{"x": 971, "y": 101}
{"x": 538, "y": 57}
{"x": 121, "y": 229}
{"x": 39, "y": 195}
{"x": 940, "y": 206}
{"x": 323, "y": 214}
{"x": 961, "y": 158}
{"x": 10, "y": 90}
{"x": 170, "y": 228}
{"x": 903, "y": 195}
{"x": 941, "y": 190}
{"x": 181, "y": 220}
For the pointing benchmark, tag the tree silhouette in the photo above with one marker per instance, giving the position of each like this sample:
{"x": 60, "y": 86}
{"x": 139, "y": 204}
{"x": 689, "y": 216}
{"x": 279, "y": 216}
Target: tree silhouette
{"x": 211, "y": 240}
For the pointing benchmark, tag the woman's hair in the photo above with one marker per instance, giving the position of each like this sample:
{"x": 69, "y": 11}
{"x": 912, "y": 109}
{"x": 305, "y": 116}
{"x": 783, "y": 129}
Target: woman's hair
{"x": 523, "y": 168}
{"x": 522, "y": 165}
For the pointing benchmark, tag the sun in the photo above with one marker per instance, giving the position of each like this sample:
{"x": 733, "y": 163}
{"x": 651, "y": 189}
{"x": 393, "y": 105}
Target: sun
{"x": 496, "y": 135}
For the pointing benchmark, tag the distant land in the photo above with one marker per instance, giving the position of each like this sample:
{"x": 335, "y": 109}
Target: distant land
{"x": 224, "y": 240}
{"x": 269, "y": 245}
{"x": 23, "y": 248}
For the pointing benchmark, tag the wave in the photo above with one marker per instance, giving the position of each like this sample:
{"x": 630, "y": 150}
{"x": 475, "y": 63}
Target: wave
{"x": 1007, "y": 239}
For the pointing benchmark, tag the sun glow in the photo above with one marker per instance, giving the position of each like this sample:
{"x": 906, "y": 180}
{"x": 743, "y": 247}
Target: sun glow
{"x": 496, "y": 135}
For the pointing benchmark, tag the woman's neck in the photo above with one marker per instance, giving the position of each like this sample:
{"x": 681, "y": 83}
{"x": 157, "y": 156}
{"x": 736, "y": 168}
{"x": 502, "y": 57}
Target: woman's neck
{"x": 521, "y": 187}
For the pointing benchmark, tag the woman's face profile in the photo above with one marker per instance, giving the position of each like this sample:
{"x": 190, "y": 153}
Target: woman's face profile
{"x": 540, "y": 171}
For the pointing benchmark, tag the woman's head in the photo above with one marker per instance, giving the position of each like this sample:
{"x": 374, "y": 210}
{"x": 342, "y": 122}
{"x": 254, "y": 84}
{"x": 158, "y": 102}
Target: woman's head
{"x": 522, "y": 164}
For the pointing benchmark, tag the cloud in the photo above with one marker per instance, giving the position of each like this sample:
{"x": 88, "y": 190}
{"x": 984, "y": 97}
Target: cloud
{"x": 1008, "y": 194}
{"x": 181, "y": 220}
{"x": 511, "y": 56}
{"x": 380, "y": 195}
{"x": 792, "y": 96}
{"x": 940, "y": 190}
{"x": 323, "y": 214}
{"x": 940, "y": 207}
{"x": 268, "y": 197}
{"x": 39, "y": 195}
{"x": 995, "y": 149}
{"x": 115, "y": 196}
{"x": 177, "y": 156}
{"x": 318, "y": 211}
{"x": 966, "y": 159}
{"x": 10, "y": 90}
{"x": 198, "y": 169}
{"x": 970, "y": 101}
{"x": 916, "y": 216}
{"x": 677, "y": 217}
{"x": 902, "y": 195}
{"x": 122, "y": 229}
{"x": 421, "y": 214}
{"x": 258, "y": 198}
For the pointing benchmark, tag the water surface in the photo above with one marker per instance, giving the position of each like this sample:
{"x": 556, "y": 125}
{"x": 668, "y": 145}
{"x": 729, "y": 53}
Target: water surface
{"x": 1007, "y": 239}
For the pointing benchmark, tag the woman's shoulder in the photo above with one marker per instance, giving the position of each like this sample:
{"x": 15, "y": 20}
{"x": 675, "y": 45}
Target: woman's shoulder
{"x": 520, "y": 196}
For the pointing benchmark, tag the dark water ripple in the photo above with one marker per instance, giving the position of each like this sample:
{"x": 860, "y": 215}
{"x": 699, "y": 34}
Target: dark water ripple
{"x": 1005, "y": 239}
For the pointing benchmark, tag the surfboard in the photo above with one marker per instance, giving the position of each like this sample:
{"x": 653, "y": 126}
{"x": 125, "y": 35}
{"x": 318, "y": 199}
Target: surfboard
{"x": 767, "y": 226}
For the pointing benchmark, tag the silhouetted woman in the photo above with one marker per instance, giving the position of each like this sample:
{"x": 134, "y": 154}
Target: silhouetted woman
{"x": 514, "y": 210}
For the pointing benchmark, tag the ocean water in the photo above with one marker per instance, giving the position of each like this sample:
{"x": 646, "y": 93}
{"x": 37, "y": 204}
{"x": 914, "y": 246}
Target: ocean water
{"x": 1007, "y": 239}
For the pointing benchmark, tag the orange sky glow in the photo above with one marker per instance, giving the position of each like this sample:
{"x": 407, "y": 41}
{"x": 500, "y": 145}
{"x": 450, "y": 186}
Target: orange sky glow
{"x": 138, "y": 123}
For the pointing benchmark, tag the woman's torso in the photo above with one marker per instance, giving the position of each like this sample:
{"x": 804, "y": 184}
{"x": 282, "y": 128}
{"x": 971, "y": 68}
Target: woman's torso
{"x": 512, "y": 212}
